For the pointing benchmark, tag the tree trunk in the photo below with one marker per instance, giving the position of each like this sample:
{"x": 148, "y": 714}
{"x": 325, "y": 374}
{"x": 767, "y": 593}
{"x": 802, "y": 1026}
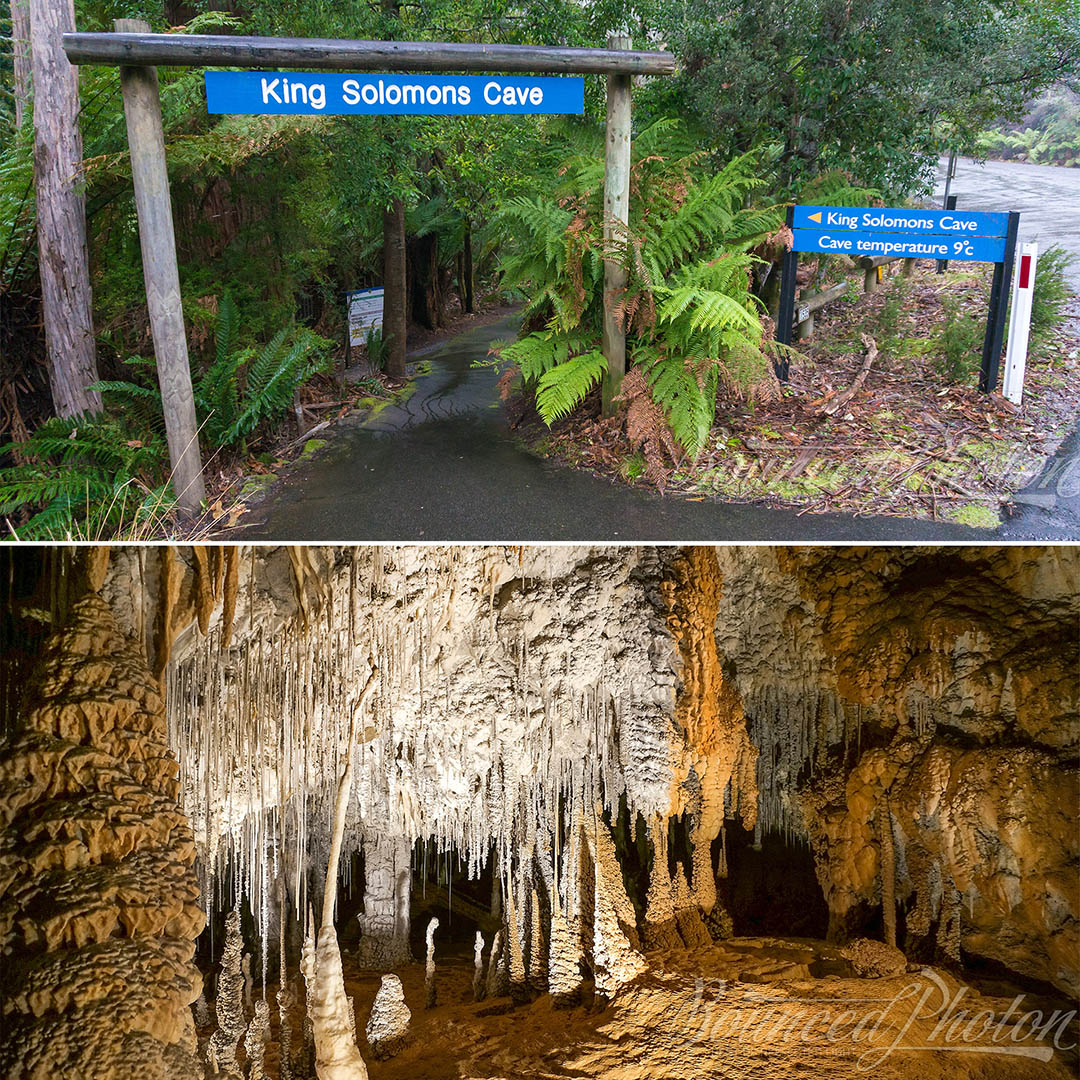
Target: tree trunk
{"x": 20, "y": 41}
{"x": 427, "y": 301}
{"x": 61, "y": 208}
{"x": 394, "y": 332}
{"x": 467, "y": 298}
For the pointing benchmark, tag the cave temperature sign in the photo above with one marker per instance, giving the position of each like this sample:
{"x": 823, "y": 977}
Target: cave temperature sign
{"x": 886, "y": 233}
{"x": 291, "y": 93}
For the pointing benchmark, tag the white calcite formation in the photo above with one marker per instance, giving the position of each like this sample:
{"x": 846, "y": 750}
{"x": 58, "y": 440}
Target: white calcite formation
{"x": 478, "y": 968}
{"x": 388, "y": 1026}
{"x": 430, "y": 992}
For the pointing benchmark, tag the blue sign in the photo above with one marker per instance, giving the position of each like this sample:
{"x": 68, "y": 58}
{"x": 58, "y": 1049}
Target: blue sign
{"x": 254, "y": 93}
{"x": 902, "y": 220}
{"x": 906, "y": 245}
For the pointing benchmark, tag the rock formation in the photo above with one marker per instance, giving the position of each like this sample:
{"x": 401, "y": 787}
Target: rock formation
{"x": 98, "y": 901}
{"x": 430, "y": 992}
{"x": 478, "y": 987}
{"x": 388, "y": 1026}
{"x": 255, "y": 1041}
{"x": 229, "y": 1003}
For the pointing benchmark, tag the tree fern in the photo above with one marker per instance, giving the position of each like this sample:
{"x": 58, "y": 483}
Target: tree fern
{"x": 687, "y": 303}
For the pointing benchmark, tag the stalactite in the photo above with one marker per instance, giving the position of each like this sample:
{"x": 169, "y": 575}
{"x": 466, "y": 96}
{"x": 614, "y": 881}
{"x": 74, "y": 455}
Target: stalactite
{"x": 430, "y": 993}
{"x": 255, "y": 1041}
{"x": 387, "y": 1028}
{"x": 229, "y": 1001}
{"x": 478, "y": 987}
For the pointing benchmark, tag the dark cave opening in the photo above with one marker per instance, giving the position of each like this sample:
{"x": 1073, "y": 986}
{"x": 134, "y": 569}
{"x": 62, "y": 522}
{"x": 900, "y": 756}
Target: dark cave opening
{"x": 772, "y": 890}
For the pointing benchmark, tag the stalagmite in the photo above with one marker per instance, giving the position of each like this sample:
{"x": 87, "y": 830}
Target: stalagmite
{"x": 333, "y": 1023}
{"x": 661, "y": 930}
{"x": 498, "y": 981}
{"x": 615, "y": 960}
{"x": 512, "y": 938}
{"x": 688, "y": 919}
{"x": 387, "y": 1028}
{"x": 229, "y": 1000}
{"x": 255, "y": 1040}
{"x": 564, "y": 961}
{"x": 537, "y": 973}
{"x": 284, "y": 996}
{"x": 430, "y": 993}
{"x": 478, "y": 988}
{"x": 384, "y": 922}
{"x": 888, "y": 870}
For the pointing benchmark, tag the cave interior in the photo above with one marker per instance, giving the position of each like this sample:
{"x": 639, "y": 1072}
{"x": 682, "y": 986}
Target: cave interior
{"x": 539, "y": 812}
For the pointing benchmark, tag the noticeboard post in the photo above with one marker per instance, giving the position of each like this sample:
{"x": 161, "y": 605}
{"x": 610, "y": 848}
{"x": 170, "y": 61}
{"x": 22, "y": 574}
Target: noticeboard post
{"x": 365, "y": 313}
{"x": 954, "y": 235}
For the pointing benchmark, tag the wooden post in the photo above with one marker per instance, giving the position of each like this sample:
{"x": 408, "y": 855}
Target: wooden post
{"x": 142, "y": 110}
{"x": 616, "y": 210}
{"x": 63, "y": 265}
{"x": 20, "y": 46}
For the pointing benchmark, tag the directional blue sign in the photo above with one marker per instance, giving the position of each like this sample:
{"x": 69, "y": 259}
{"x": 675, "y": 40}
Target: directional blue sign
{"x": 902, "y": 220}
{"x": 254, "y": 93}
{"x": 908, "y": 245}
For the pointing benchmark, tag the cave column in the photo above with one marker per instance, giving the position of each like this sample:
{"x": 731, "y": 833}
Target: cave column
{"x": 384, "y": 922}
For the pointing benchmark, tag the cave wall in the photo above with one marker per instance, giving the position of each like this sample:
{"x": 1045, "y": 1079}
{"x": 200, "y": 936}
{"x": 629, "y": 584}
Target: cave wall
{"x": 99, "y": 905}
{"x": 916, "y": 716}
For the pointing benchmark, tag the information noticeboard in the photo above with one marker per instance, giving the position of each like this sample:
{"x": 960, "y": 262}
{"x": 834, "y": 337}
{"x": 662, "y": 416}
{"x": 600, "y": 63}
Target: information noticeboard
{"x": 365, "y": 313}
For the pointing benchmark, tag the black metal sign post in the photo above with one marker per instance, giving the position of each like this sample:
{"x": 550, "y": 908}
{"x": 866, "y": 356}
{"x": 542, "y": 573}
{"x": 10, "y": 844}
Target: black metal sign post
{"x": 999, "y": 302}
{"x": 786, "y": 313}
{"x": 970, "y": 236}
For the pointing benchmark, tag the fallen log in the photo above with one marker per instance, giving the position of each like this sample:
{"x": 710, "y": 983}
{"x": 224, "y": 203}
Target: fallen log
{"x": 841, "y": 400}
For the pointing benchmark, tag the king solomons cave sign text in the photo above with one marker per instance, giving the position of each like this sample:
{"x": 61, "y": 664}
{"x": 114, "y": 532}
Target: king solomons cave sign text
{"x": 253, "y": 93}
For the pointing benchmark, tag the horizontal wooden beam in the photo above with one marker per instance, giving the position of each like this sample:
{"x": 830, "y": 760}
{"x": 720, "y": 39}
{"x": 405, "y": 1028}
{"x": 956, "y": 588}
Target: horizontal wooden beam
{"x": 218, "y": 50}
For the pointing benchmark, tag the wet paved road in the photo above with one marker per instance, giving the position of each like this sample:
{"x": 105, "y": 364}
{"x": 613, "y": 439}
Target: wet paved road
{"x": 443, "y": 466}
{"x": 1047, "y": 197}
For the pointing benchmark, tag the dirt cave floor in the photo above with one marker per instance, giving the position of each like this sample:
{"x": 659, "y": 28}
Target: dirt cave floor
{"x": 755, "y": 1008}
{"x": 916, "y": 439}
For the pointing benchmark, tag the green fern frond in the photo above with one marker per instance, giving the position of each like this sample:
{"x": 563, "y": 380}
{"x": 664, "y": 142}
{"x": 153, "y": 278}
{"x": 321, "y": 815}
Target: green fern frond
{"x": 564, "y": 387}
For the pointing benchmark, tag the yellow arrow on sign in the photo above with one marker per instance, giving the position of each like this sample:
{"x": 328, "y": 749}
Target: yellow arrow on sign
{"x": 816, "y": 217}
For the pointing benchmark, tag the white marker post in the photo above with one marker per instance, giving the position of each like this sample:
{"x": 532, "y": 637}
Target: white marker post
{"x": 1020, "y": 325}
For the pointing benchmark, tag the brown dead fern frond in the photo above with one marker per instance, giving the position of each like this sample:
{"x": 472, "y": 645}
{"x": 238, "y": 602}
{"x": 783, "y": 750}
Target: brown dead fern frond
{"x": 647, "y": 429}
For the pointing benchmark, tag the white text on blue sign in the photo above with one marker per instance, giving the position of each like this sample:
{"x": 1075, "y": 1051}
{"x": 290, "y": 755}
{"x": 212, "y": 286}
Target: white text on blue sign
{"x": 911, "y": 245}
{"x": 902, "y": 220}
{"x": 255, "y": 93}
